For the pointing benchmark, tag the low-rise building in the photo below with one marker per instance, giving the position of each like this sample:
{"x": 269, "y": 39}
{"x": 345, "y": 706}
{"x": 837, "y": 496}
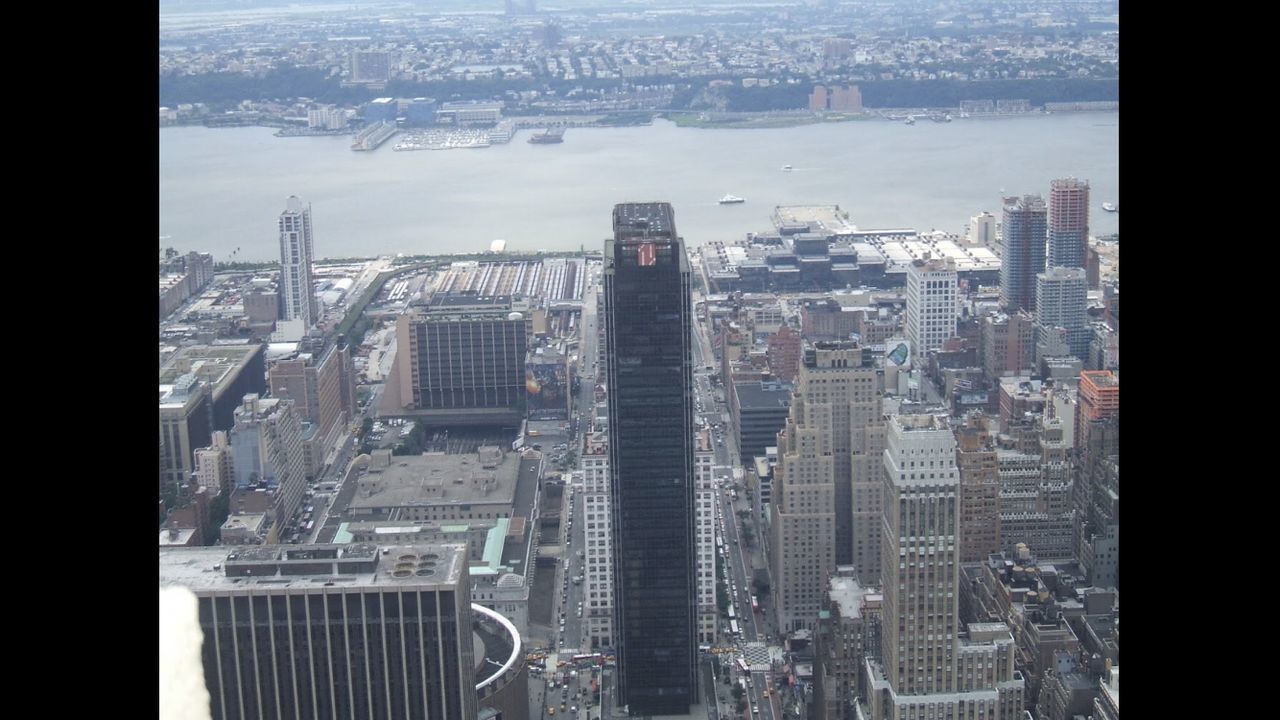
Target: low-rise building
{"x": 1071, "y": 687}
{"x": 1020, "y": 396}
{"x": 267, "y": 452}
{"x": 200, "y": 388}
{"x": 437, "y": 486}
{"x": 848, "y": 631}
{"x": 178, "y": 537}
{"x": 182, "y": 276}
{"x": 1035, "y": 600}
{"x": 470, "y": 113}
{"x": 598, "y": 562}
{"x": 759, "y": 411}
{"x": 244, "y": 529}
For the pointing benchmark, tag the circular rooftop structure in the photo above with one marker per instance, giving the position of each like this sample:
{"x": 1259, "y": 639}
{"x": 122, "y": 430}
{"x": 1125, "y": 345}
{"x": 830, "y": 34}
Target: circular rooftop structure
{"x": 501, "y": 673}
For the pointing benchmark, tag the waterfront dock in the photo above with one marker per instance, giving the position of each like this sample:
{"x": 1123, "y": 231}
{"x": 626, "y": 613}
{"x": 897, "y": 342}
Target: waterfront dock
{"x": 373, "y": 136}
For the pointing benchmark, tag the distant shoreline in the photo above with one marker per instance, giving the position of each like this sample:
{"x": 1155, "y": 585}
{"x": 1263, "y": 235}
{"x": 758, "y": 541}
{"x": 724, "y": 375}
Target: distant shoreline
{"x": 697, "y": 119}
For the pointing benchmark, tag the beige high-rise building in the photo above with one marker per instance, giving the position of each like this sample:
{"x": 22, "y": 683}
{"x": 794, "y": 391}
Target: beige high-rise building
{"x": 921, "y": 554}
{"x": 321, "y": 384}
{"x": 929, "y": 668}
{"x": 1007, "y": 345}
{"x": 804, "y": 520}
{"x": 598, "y": 562}
{"x": 213, "y": 465}
{"x": 979, "y": 490}
{"x": 1036, "y": 490}
{"x": 866, "y": 442}
{"x": 826, "y": 496}
{"x": 598, "y": 574}
{"x": 186, "y": 420}
{"x": 982, "y": 230}
{"x": 705, "y": 520}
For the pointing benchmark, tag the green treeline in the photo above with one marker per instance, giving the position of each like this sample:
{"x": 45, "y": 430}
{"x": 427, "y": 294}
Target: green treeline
{"x": 931, "y": 93}
{"x": 949, "y": 93}
{"x": 219, "y": 267}
{"x": 762, "y": 99}
{"x": 225, "y": 90}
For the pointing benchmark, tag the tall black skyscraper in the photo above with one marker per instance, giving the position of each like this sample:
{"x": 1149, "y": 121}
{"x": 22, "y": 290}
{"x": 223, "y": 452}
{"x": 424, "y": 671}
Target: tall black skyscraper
{"x": 646, "y": 285}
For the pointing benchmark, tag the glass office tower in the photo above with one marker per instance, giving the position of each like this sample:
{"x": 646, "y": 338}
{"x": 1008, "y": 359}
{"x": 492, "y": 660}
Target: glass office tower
{"x": 650, "y": 371}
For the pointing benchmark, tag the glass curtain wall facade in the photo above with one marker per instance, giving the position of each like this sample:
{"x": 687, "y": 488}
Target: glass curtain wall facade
{"x": 651, "y": 432}
{"x": 328, "y": 655}
{"x": 471, "y": 362}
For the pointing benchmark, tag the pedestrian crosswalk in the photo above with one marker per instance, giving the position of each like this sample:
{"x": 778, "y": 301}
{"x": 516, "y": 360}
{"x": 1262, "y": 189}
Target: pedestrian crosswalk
{"x": 756, "y": 655}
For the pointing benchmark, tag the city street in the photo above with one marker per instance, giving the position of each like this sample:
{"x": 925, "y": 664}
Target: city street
{"x": 743, "y": 559}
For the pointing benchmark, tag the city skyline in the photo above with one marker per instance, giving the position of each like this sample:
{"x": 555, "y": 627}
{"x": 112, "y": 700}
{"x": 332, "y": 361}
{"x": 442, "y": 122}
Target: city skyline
{"x": 1030, "y": 452}
{"x": 845, "y": 446}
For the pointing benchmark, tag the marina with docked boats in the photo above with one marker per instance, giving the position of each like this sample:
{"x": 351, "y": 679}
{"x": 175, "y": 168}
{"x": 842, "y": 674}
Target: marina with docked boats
{"x": 473, "y": 137}
{"x": 455, "y": 138}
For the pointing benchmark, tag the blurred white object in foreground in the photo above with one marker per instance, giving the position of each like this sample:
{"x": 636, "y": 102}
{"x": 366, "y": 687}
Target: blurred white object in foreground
{"x": 183, "y": 695}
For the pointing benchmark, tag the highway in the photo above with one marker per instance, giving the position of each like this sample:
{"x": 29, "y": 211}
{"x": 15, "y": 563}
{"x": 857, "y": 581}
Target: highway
{"x": 546, "y": 691}
{"x": 339, "y": 469}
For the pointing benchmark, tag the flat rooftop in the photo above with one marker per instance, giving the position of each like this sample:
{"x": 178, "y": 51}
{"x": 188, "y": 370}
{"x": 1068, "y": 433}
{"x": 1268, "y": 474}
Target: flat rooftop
{"x": 755, "y": 395}
{"x": 437, "y": 479}
{"x": 249, "y": 522}
{"x": 909, "y": 423}
{"x": 640, "y": 220}
{"x": 213, "y": 364}
{"x": 847, "y": 593}
{"x": 181, "y": 537}
{"x": 1112, "y": 687}
{"x": 401, "y": 527}
{"x": 1101, "y": 378}
{"x": 1024, "y": 386}
{"x": 280, "y": 567}
{"x": 210, "y": 362}
{"x": 825, "y": 219}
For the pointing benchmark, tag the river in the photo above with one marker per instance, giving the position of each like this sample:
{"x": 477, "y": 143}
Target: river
{"x": 221, "y": 190}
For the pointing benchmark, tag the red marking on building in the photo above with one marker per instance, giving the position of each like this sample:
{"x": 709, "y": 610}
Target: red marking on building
{"x": 648, "y": 253}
